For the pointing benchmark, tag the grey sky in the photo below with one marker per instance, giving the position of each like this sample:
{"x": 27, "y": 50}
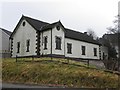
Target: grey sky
{"x": 74, "y": 14}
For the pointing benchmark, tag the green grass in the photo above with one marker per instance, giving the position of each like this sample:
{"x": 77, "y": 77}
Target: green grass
{"x": 0, "y": 70}
{"x": 56, "y": 72}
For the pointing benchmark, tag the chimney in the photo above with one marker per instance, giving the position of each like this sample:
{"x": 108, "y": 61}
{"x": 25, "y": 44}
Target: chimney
{"x": 85, "y": 33}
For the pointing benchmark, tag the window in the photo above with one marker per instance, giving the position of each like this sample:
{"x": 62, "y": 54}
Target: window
{"x": 58, "y": 43}
{"x": 28, "y": 45}
{"x": 103, "y": 56}
{"x": 69, "y": 48}
{"x": 58, "y": 27}
{"x": 18, "y": 47}
{"x": 95, "y": 51}
{"x": 83, "y": 50}
{"x": 45, "y": 42}
{"x": 23, "y": 24}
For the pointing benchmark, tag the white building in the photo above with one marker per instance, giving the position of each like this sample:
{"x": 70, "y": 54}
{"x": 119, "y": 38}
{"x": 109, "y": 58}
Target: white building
{"x": 4, "y": 46}
{"x": 32, "y": 37}
{"x": 103, "y": 49}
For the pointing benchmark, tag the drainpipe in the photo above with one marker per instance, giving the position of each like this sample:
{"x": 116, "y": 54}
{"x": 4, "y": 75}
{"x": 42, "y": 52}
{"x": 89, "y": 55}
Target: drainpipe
{"x": 51, "y": 43}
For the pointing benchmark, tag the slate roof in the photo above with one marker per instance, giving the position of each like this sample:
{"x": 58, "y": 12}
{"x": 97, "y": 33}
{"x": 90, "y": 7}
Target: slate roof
{"x": 6, "y": 31}
{"x": 113, "y": 38}
{"x": 49, "y": 26}
{"x": 37, "y": 24}
{"x": 79, "y": 36}
{"x": 103, "y": 42}
{"x": 40, "y": 25}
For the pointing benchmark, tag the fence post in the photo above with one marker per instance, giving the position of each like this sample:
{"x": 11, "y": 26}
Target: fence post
{"x": 118, "y": 65}
{"x": 51, "y": 58}
{"x": 16, "y": 58}
{"x": 32, "y": 58}
{"x": 88, "y": 63}
{"x": 68, "y": 61}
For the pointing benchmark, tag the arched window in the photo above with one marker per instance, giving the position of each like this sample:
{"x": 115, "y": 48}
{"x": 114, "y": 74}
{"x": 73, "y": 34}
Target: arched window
{"x": 58, "y": 43}
{"x": 23, "y": 23}
{"x": 18, "y": 47}
{"x": 83, "y": 50}
{"x": 95, "y": 51}
{"x": 28, "y": 45}
{"x": 45, "y": 42}
{"x": 69, "y": 48}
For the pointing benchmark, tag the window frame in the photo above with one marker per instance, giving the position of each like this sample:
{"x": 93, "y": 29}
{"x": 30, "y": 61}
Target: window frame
{"x": 58, "y": 41}
{"x": 69, "y": 48}
{"x": 18, "y": 47}
{"x": 83, "y": 48}
{"x": 58, "y": 27}
{"x": 45, "y": 42}
{"x": 95, "y": 51}
{"x": 28, "y": 45}
{"x": 23, "y": 23}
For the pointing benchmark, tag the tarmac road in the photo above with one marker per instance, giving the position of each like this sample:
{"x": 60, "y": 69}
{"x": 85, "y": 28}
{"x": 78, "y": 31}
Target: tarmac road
{"x": 12, "y": 86}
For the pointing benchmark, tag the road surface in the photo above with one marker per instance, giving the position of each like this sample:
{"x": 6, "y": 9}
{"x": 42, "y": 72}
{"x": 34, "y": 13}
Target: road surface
{"x": 26, "y": 86}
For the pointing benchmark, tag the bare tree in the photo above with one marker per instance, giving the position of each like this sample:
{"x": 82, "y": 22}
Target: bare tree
{"x": 114, "y": 29}
{"x": 92, "y": 34}
{"x": 111, "y": 62}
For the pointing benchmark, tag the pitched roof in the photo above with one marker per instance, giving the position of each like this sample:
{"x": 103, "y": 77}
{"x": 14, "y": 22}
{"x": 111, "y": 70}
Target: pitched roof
{"x": 48, "y": 26}
{"x": 52, "y": 25}
{"x": 103, "y": 42}
{"x": 37, "y": 24}
{"x": 113, "y": 38}
{"x": 40, "y": 25}
{"x": 80, "y": 36}
{"x": 6, "y": 31}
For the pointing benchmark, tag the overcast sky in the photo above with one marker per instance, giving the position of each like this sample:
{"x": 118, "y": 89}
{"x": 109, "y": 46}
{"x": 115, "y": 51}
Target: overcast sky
{"x": 78, "y": 15}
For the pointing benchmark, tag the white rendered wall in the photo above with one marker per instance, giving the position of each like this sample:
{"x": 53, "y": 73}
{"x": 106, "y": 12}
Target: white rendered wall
{"x": 77, "y": 52}
{"x": 0, "y": 43}
{"x": 48, "y": 50}
{"x": 22, "y": 34}
{"x": 104, "y": 50}
{"x": 28, "y": 32}
{"x": 4, "y": 45}
{"x": 58, "y": 33}
{"x": 4, "y": 42}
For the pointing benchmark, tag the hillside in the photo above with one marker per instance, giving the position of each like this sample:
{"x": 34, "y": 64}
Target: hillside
{"x": 56, "y": 73}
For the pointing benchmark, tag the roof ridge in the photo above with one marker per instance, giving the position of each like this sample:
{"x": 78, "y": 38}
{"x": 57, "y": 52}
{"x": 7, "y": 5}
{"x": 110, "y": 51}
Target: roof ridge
{"x": 79, "y": 35}
{"x": 35, "y": 23}
{"x": 6, "y": 31}
{"x": 74, "y": 30}
{"x": 78, "y": 32}
{"x": 35, "y": 19}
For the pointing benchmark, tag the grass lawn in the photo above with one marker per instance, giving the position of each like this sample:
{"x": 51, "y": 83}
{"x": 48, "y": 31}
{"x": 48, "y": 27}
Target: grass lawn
{"x": 56, "y": 72}
{"x": 0, "y": 70}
